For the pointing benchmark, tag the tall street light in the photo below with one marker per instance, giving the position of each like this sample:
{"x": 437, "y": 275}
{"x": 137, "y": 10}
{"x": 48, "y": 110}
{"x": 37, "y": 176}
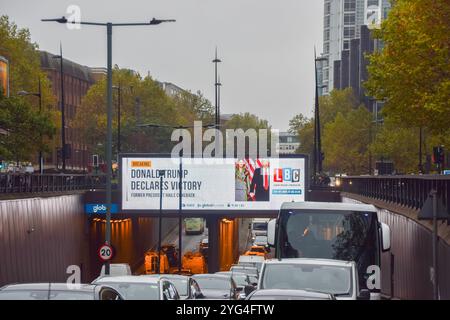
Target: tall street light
{"x": 36, "y": 94}
{"x": 119, "y": 89}
{"x": 318, "y": 156}
{"x": 109, "y": 26}
{"x": 63, "y": 117}
{"x": 216, "y": 86}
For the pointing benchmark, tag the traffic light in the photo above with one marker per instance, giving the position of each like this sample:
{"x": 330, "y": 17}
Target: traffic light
{"x": 438, "y": 155}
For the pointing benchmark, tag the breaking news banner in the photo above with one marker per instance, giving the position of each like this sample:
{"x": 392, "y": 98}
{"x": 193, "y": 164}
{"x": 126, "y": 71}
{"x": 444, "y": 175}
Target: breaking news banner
{"x": 208, "y": 184}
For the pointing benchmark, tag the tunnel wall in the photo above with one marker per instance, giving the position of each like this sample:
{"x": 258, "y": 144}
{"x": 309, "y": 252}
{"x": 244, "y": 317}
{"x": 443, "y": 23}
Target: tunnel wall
{"x": 131, "y": 237}
{"x": 41, "y": 237}
{"x": 405, "y": 269}
{"x": 229, "y": 243}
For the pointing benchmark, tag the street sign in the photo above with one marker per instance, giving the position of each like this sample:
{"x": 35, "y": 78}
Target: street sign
{"x": 99, "y": 208}
{"x": 105, "y": 252}
{"x": 446, "y": 172}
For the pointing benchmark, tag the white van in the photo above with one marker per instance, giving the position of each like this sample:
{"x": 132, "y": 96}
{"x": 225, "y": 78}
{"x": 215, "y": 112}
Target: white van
{"x": 259, "y": 227}
{"x": 116, "y": 269}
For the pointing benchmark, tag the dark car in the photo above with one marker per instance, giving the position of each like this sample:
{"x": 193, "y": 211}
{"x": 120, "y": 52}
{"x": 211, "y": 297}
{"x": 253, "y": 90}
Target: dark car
{"x": 282, "y": 294}
{"x": 217, "y": 287}
{"x": 204, "y": 247}
{"x": 58, "y": 291}
{"x": 171, "y": 252}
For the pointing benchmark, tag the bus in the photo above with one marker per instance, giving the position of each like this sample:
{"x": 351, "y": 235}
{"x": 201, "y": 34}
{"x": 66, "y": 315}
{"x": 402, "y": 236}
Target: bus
{"x": 194, "y": 226}
{"x": 333, "y": 230}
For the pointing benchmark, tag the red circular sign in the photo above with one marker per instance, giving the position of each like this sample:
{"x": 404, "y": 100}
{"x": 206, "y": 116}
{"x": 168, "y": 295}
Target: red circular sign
{"x": 105, "y": 252}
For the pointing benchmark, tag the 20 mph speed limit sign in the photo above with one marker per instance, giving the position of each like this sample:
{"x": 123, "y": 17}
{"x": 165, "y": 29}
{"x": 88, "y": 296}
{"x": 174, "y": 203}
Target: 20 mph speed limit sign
{"x": 105, "y": 252}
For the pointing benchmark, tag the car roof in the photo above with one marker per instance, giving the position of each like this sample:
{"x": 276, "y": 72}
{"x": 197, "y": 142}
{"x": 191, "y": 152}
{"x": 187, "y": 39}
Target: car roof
{"x": 291, "y": 293}
{"x": 172, "y": 276}
{"x": 240, "y": 266}
{"x": 324, "y": 262}
{"x": 45, "y": 286}
{"x": 151, "y": 279}
{"x": 336, "y": 206}
{"x": 249, "y": 259}
{"x": 211, "y": 275}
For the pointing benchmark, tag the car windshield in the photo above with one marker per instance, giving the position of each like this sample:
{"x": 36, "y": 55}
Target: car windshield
{"x": 240, "y": 279}
{"x": 260, "y": 239}
{"x": 181, "y": 286}
{"x": 253, "y": 271}
{"x": 341, "y": 235}
{"x": 330, "y": 279}
{"x": 213, "y": 283}
{"x": 261, "y": 226}
{"x": 136, "y": 291}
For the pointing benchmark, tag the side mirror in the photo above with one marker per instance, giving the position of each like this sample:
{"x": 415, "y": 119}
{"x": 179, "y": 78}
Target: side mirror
{"x": 198, "y": 295}
{"x": 385, "y": 237}
{"x": 248, "y": 289}
{"x": 271, "y": 232}
{"x": 364, "y": 294}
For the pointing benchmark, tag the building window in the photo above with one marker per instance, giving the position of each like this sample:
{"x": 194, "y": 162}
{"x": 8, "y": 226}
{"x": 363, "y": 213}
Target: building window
{"x": 327, "y": 8}
{"x": 349, "y": 19}
{"x": 346, "y": 45}
{"x": 326, "y": 35}
{"x": 349, "y": 32}
{"x": 326, "y": 48}
{"x": 326, "y": 22}
{"x": 349, "y": 5}
{"x": 325, "y": 75}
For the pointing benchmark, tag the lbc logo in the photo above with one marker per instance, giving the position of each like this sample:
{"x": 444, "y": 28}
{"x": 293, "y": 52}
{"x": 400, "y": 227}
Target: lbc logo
{"x": 286, "y": 174}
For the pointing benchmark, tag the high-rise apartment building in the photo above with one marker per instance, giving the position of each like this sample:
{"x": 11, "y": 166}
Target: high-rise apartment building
{"x": 343, "y": 22}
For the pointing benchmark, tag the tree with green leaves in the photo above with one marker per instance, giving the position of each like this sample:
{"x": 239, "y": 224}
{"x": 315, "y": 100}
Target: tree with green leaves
{"x": 337, "y": 102}
{"x": 412, "y": 71}
{"x": 24, "y": 130}
{"x": 142, "y": 102}
{"x": 25, "y": 73}
{"x": 346, "y": 142}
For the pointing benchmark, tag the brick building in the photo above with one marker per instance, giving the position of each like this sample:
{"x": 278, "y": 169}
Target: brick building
{"x": 77, "y": 81}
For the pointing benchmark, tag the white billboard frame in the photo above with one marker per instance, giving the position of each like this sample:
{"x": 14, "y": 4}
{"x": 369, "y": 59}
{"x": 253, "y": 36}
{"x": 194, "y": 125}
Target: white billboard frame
{"x": 190, "y": 212}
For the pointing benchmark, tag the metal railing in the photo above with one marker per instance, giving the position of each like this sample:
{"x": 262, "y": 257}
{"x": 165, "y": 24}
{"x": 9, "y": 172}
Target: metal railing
{"x": 411, "y": 191}
{"x": 37, "y": 183}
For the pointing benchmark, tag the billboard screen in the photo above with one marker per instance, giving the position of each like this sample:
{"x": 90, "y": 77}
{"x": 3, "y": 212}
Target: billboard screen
{"x": 4, "y": 77}
{"x": 212, "y": 184}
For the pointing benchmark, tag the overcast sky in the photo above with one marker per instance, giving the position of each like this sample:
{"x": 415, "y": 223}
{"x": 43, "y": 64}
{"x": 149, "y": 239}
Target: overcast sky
{"x": 267, "y": 46}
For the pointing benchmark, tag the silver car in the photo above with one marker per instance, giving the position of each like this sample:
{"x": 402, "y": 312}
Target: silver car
{"x": 58, "y": 291}
{"x": 144, "y": 287}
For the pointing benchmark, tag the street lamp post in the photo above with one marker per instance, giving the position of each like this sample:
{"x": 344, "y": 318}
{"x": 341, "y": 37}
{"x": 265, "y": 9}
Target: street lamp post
{"x": 216, "y": 93}
{"x": 317, "y": 137}
{"x": 36, "y": 94}
{"x": 109, "y": 26}
{"x": 161, "y": 175}
{"x": 63, "y": 117}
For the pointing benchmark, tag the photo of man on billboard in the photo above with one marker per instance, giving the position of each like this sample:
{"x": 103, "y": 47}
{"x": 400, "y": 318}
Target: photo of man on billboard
{"x": 260, "y": 184}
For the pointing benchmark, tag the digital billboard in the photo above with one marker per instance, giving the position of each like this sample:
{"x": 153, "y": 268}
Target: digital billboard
{"x": 211, "y": 184}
